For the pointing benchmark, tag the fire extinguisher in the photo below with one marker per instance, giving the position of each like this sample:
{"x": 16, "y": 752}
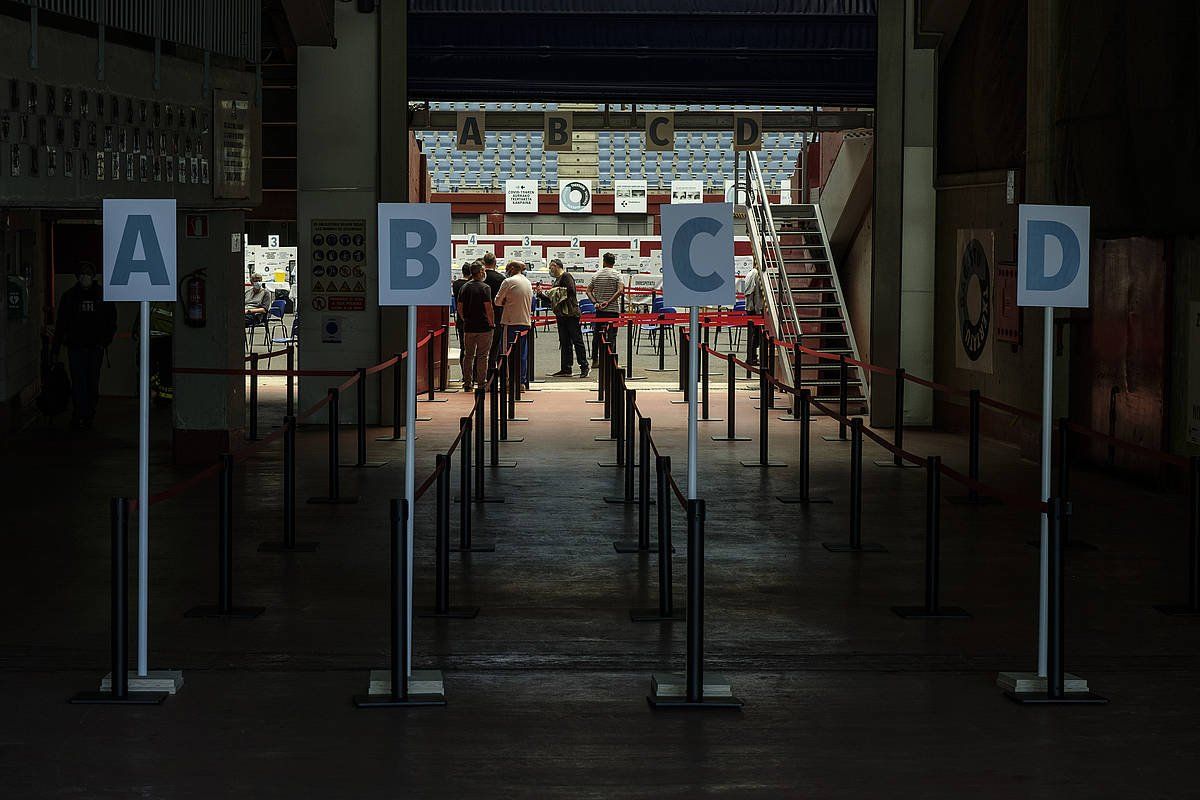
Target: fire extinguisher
{"x": 195, "y": 309}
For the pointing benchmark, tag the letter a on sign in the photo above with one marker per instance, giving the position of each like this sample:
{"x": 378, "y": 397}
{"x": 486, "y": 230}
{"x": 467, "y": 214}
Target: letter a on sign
{"x": 470, "y": 130}
{"x": 1053, "y": 249}
{"x": 139, "y": 250}
{"x": 414, "y": 254}
{"x": 697, "y": 254}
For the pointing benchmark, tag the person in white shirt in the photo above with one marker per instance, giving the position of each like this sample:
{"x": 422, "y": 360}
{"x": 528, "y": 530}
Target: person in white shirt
{"x": 515, "y": 299}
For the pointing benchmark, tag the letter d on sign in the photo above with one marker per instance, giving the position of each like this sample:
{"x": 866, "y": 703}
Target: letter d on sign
{"x": 139, "y": 250}
{"x": 414, "y": 254}
{"x": 1053, "y": 249}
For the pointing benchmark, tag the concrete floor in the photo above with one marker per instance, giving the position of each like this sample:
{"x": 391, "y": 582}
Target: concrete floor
{"x": 547, "y": 686}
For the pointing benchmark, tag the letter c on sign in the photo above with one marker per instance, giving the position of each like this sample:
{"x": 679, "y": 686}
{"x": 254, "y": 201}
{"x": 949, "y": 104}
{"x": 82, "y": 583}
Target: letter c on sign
{"x": 1036, "y": 279}
{"x": 420, "y": 251}
{"x": 655, "y": 136}
{"x": 681, "y": 254}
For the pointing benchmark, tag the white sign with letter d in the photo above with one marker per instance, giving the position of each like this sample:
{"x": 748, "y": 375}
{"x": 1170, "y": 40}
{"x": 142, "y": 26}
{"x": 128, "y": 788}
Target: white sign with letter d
{"x": 1054, "y": 245}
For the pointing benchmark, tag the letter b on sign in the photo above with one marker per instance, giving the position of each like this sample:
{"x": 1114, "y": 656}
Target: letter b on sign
{"x": 414, "y": 254}
{"x": 139, "y": 250}
{"x": 698, "y": 254}
{"x": 1053, "y": 248}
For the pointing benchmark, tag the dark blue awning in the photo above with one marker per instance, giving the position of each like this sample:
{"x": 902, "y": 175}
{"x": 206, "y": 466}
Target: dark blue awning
{"x": 798, "y": 52}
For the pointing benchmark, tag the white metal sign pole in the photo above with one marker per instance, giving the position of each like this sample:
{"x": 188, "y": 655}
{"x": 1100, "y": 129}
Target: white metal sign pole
{"x": 693, "y": 362}
{"x": 143, "y": 489}
{"x": 1047, "y": 432}
{"x": 410, "y": 448}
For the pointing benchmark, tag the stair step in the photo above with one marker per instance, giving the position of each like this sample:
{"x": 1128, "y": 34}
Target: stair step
{"x": 818, "y": 305}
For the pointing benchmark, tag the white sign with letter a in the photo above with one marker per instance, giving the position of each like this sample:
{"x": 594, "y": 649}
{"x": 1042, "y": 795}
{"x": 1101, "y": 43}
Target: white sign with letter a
{"x": 414, "y": 254}
{"x": 697, "y": 254}
{"x": 139, "y": 250}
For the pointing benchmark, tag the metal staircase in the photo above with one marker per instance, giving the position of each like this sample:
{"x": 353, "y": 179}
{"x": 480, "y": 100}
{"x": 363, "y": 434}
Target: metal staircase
{"x": 804, "y": 297}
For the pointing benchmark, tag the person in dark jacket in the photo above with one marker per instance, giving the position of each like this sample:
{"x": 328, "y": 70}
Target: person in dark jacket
{"x": 85, "y": 324}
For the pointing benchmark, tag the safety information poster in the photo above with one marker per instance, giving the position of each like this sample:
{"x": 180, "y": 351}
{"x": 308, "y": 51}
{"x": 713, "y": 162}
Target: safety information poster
{"x": 339, "y": 255}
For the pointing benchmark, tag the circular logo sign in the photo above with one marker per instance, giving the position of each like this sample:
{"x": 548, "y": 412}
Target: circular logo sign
{"x": 576, "y": 196}
{"x": 974, "y": 300}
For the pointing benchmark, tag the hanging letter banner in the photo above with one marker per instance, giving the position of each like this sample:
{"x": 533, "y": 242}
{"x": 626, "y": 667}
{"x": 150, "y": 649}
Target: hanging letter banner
{"x": 470, "y": 131}
{"x": 414, "y": 254}
{"x": 139, "y": 250}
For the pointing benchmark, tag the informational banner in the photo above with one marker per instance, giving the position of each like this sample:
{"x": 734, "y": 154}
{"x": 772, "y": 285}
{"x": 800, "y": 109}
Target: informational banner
{"x": 339, "y": 269}
{"x": 1053, "y": 255}
{"x": 469, "y": 252}
{"x": 574, "y": 196}
{"x": 698, "y": 255}
{"x": 520, "y": 196}
{"x": 629, "y": 196}
{"x": 415, "y": 265}
{"x": 139, "y": 250}
{"x": 687, "y": 191}
{"x": 530, "y": 256}
{"x": 232, "y": 148}
{"x": 974, "y": 305}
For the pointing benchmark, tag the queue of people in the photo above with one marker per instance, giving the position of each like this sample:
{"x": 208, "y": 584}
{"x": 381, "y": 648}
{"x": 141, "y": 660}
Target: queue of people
{"x": 481, "y": 292}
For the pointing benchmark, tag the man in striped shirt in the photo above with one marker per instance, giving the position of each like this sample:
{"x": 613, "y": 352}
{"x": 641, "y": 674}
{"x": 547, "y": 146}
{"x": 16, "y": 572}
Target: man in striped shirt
{"x": 605, "y": 290}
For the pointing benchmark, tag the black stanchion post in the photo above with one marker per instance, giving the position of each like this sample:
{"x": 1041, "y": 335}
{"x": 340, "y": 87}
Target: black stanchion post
{"x": 973, "y": 497}
{"x": 398, "y": 623}
{"x": 225, "y": 606}
{"x": 1055, "y": 693}
{"x": 289, "y": 543}
{"x": 515, "y": 380}
{"x": 730, "y": 407}
{"x": 502, "y": 384}
{"x": 291, "y": 380}
{"x": 118, "y": 692}
{"x": 360, "y": 423}
{"x": 1192, "y": 606}
{"x": 666, "y": 611}
{"x": 629, "y": 376}
{"x": 470, "y": 472}
{"x": 843, "y": 395}
{"x": 499, "y": 421}
{"x": 794, "y": 414}
{"x": 441, "y": 556}
{"x": 644, "y": 428}
{"x": 253, "y": 398}
{"x": 397, "y": 403}
{"x": 855, "y": 544}
{"x": 685, "y": 366}
{"x": 749, "y": 346}
{"x": 897, "y": 461}
{"x": 764, "y": 410}
{"x": 933, "y": 529}
{"x": 444, "y": 372}
{"x": 626, "y": 451}
{"x": 805, "y": 497}
{"x": 335, "y": 496}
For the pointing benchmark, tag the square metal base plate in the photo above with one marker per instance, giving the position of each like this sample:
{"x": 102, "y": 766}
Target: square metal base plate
{"x": 156, "y": 680}
{"x": 836, "y": 439}
{"x": 235, "y": 612}
{"x": 280, "y": 547}
{"x": 1030, "y": 683}
{"x": 846, "y": 547}
{"x": 730, "y": 438}
{"x": 920, "y": 612}
{"x": 474, "y": 548}
{"x": 761, "y": 464}
{"x": 891, "y": 464}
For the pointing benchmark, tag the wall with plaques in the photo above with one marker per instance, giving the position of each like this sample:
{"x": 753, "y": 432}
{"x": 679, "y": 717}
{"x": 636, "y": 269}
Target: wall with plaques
{"x": 69, "y": 139}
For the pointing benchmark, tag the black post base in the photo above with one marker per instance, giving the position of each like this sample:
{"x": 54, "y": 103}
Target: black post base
{"x": 365, "y": 465}
{"x": 763, "y": 464}
{"x": 434, "y": 400}
{"x": 1180, "y": 610}
{"x": 656, "y": 615}
{"x": 517, "y": 419}
{"x": 474, "y": 548}
{"x": 236, "y": 612}
{"x": 393, "y": 438}
{"x": 979, "y": 500}
{"x": 726, "y": 703}
{"x": 631, "y": 546}
{"x": 802, "y": 501}
{"x": 1070, "y": 544}
{"x": 108, "y": 698}
{"x": 846, "y": 547}
{"x": 455, "y": 612}
{"x": 482, "y": 500}
{"x": 921, "y": 612}
{"x": 512, "y": 440}
{"x": 635, "y": 378}
{"x": 387, "y": 701}
{"x": 503, "y": 465}
{"x": 1067, "y": 699}
{"x": 664, "y": 369}
{"x": 280, "y": 547}
{"x": 836, "y": 439}
{"x": 789, "y": 418}
{"x": 891, "y": 463}
{"x": 621, "y": 501}
{"x": 730, "y": 438}
{"x": 711, "y": 419}
{"x": 680, "y": 402}
{"x": 332, "y": 501}
{"x": 604, "y": 438}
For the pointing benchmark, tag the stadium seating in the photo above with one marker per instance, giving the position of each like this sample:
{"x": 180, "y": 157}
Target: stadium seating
{"x": 706, "y": 156}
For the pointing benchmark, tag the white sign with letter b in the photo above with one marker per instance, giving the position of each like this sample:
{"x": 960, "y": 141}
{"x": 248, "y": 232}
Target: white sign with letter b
{"x": 414, "y": 254}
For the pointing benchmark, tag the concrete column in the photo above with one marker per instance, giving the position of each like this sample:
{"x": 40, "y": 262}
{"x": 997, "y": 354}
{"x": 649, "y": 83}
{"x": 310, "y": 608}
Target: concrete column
{"x": 209, "y": 410}
{"x": 337, "y": 171}
{"x": 395, "y": 161}
{"x": 888, "y": 214}
{"x": 920, "y": 222}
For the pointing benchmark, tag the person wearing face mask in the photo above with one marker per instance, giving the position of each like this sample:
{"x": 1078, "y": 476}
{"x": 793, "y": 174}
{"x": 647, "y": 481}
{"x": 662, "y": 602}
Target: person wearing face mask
{"x": 85, "y": 324}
